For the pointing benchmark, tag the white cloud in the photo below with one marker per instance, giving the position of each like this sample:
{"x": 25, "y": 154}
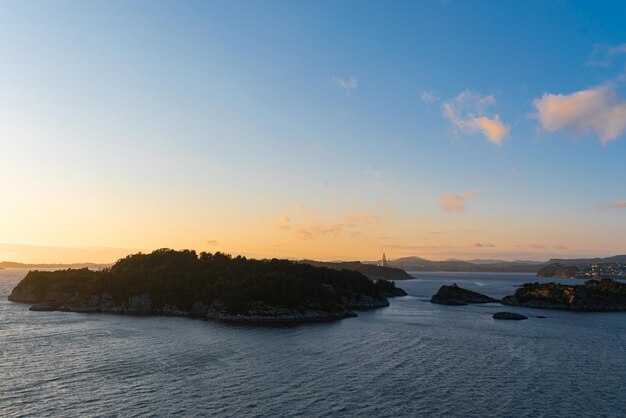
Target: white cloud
{"x": 596, "y": 110}
{"x": 468, "y": 112}
{"x": 451, "y": 202}
{"x": 428, "y": 96}
{"x": 347, "y": 84}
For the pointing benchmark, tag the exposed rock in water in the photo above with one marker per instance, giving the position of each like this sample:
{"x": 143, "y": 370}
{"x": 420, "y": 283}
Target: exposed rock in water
{"x": 509, "y": 315}
{"x": 594, "y": 296}
{"x": 454, "y": 295}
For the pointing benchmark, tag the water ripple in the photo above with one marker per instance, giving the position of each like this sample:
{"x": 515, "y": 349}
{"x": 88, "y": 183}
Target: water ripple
{"x": 410, "y": 359}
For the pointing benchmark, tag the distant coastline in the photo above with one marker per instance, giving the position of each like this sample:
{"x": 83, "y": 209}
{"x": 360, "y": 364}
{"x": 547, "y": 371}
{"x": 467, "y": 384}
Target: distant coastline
{"x": 16, "y": 265}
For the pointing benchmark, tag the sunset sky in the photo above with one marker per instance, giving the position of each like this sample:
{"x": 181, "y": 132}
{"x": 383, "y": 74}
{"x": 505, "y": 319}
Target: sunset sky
{"x": 325, "y": 130}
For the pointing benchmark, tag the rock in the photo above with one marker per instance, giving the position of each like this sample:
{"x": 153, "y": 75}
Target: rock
{"x": 140, "y": 305}
{"x": 358, "y": 302}
{"x": 540, "y": 317}
{"x": 171, "y": 310}
{"x": 25, "y": 294}
{"x": 199, "y": 310}
{"x": 454, "y": 295}
{"x": 393, "y": 293}
{"x": 44, "y": 307}
{"x": 509, "y": 315}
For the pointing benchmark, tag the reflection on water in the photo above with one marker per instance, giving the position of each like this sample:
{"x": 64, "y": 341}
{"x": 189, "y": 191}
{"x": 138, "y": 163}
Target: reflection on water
{"x": 412, "y": 358}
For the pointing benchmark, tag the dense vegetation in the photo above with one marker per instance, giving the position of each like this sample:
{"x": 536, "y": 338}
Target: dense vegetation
{"x": 181, "y": 278}
{"x": 558, "y": 270}
{"x": 607, "y": 286}
{"x": 372, "y": 271}
{"x": 593, "y": 295}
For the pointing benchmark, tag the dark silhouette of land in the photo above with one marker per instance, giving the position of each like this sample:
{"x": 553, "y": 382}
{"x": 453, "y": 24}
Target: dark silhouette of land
{"x": 214, "y": 286}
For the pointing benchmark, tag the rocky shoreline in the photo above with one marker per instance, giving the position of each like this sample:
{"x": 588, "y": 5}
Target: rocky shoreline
{"x": 142, "y": 305}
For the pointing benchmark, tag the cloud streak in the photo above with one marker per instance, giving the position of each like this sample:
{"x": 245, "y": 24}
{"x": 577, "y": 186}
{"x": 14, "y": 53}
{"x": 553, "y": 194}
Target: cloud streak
{"x": 603, "y": 55}
{"x": 468, "y": 113}
{"x": 617, "y": 205}
{"x": 360, "y": 218}
{"x": 597, "y": 110}
{"x": 309, "y": 228}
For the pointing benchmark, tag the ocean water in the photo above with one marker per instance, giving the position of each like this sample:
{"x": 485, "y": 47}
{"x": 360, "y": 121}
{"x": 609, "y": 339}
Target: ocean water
{"x": 411, "y": 359}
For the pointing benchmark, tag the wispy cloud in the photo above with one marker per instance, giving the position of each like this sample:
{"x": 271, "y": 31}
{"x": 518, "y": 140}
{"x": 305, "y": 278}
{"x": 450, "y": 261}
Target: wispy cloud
{"x": 374, "y": 173}
{"x": 317, "y": 228}
{"x": 603, "y": 55}
{"x": 483, "y": 245}
{"x": 468, "y": 113}
{"x": 428, "y": 97}
{"x": 283, "y": 222}
{"x": 384, "y": 209}
{"x": 347, "y": 84}
{"x": 596, "y": 110}
{"x": 360, "y": 218}
{"x": 307, "y": 226}
{"x": 617, "y": 205}
{"x": 451, "y": 202}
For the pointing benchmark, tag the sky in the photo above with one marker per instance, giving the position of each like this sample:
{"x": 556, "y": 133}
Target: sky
{"x": 325, "y": 130}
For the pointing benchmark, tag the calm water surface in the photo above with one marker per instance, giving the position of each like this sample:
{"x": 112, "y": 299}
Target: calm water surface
{"x": 410, "y": 359}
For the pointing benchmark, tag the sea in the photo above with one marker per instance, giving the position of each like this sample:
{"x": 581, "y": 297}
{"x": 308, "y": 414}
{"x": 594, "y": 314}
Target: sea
{"x": 411, "y": 359}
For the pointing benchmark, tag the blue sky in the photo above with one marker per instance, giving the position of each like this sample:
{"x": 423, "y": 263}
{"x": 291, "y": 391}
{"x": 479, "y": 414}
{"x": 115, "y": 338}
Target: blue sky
{"x": 208, "y": 124}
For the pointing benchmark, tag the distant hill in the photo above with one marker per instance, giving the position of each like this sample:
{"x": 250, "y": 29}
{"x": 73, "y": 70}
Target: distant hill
{"x": 489, "y": 261}
{"x": 621, "y": 259}
{"x": 14, "y": 265}
{"x": 492, "y": 266}
{"x": 484, "y": 266}
{"x": 372, "y": 271}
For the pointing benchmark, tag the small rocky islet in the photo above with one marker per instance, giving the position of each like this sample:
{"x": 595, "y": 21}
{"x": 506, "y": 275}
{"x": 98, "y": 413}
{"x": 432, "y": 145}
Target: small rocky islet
{"x": 211, "y": 286}
{"x": 510, "y": 316}
{"x": 455, "y": 295}
{"x": 605, "y": 295}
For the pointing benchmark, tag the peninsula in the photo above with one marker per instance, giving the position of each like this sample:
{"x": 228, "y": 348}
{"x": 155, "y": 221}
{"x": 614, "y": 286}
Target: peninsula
{"x": 213, "y": 286}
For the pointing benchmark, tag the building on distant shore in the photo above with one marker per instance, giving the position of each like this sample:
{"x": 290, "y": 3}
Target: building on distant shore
{"x": 383, "y": 261}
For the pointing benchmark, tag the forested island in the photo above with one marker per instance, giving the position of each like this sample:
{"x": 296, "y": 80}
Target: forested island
{"x": 604, "y": 295}
{"x": 214, "y": 286}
